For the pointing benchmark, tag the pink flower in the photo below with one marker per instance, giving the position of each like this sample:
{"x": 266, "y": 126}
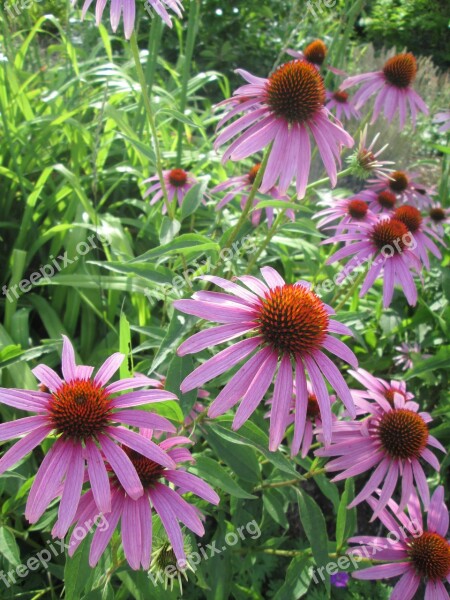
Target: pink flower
{"x": 391, "y": 439}
{"x": 443, "y": 117}
{"x": 178, "y": 183}
{"x": 136, "y": 515}
{"x": 128, "y": 9}
{"x": 436, "y": 218}
{"x": 365, "y": 160}
{"x": 342, "y": 105}
{"x": 387, "y": 244}
{"x": 305, "y": 423}
{"x": 393, "y": 84}
{"x": 406, "y": 354}
{"x": 404, "y": 186}
{"x": 84, "y": 413}
{"x": 410, "y": 550}
{"x": 287, "y": 323}
{"x": 284, "y": 109}
{"x": 383, "y": 201}
{"x": 314, "y": 53}
{"x": 411, "y": 217}
{"x": 243, "y": 184}
{"x": 352, "y": 211}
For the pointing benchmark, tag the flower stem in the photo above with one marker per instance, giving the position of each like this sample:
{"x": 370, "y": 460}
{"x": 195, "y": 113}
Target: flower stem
{"x": 151, "y": 122}
{"x": 248, "y": 205}
{"x": 194, "y": 13}
{"x": 270, "y": 234}
{"x": 349, "y": 293}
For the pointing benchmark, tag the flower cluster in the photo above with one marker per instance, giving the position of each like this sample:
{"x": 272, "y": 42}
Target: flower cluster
{"x": 94, "y": 440}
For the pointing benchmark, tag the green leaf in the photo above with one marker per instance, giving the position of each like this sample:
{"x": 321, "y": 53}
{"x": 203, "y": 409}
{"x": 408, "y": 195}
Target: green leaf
{"x": 77, "y": 571}
{"x": 217, "y": 476}
{"x": 315, "y": 528}
{"x": 193, "y": 198}
{"x": 273, "y": 502}
{"x": 440, "y": 361}
{"x": 297, "y": 579}
{"x": 183, "y": 244}
{"x": 126, "y": 368}
{"x": 179, "y": 368}
{"x": 241, "y": 459}
{"x": 169, "y": 230}
{"x": 9, "y": 547}
{"x": 250, "y": 435}
{"x": 346, "y": 518}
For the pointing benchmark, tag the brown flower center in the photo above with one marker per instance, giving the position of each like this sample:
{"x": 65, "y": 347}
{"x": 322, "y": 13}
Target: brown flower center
{"x": 149, "y": 471}
{"x": 340, "y": 96}
{"x": 400, "y": 70}
{"x": 389, "y": 395}
{"x": 313, "y": 409}
{"x": 295, "y": 92}
{"x": 398, "y": 181}
{"x": 293, "y": 320}
{"x": 386, "y": 199}
{"x": 80, "y": 409}
{"x": 178, "y": 177}
{"x": 357, "y": 209}
{"x": 251, "y": 176}
{"x": 430, "y": 554}
{"x": 389, "y": 232}
{"x": 410, "y": 216}
{"x": 437, "y": 214}
{"x": 315, "y": 52}
{"x": 403, "y": 433}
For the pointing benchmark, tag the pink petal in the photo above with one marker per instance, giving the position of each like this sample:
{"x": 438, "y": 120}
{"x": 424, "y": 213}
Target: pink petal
{"x": 108, "y": 368}
{"x": 23, "y": 447}
{"x": 98, "y": 477}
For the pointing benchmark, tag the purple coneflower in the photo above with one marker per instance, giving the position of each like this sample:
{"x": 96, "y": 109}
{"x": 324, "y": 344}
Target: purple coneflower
{"x": 382, "y": 201}
{"x": 436, "y": 218}
{"x": 404, "y": 186}
{"x": 178, "y": 183}
{"x": 443, "y": 117}
{"x": 352, "y": 211}
{"x": 128, "y": 9}
{"x": 394, "y": 87}
{"x": 411, "y": 217}
{"x": 411, "y": 551}
{"x": 365, "y": 161}
{"x": 284, "y": 109}
{"x": 288, "y": 323}
{"x": 136, "y": 515}
{"x": 243, "y": 184}
{"x": 84, "y": 413}
{"x": 406, "y": 352}
{"x": 342, "y": 104}
{"x": 387, "y": 246}
{"x": 305, "y": 422}
{"x": 314, "y": 53}
{"x": 390, "y": 440}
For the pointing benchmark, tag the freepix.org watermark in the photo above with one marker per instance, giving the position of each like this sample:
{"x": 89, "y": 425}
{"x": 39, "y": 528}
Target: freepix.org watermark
{"x": 193, "y": 559}
{"x": 368, "y": 551}
{"x": 55, "y": 548}
{"x": 197, "y": 268}
{"x": 347, "y": 275}
{"x": 55, "y": 265}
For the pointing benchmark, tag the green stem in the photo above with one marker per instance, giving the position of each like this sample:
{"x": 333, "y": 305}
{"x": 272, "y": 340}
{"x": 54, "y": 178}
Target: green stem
{"x": 154, "y": 43}
{"x": 190, "y": 42}
{"x": 350, "y": 291}
{"x": 270, "y": 234}
{"x": 151, "y": 122}
{"x": 248, "y": 205}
